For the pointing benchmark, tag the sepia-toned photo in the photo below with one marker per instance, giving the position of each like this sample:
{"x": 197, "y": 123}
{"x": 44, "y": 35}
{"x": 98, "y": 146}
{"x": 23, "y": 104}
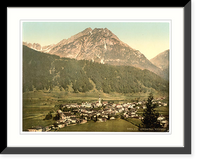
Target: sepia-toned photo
{"x": 95, "y": 76}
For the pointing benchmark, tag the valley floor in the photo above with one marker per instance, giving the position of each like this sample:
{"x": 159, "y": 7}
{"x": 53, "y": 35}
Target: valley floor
{"x": 36, "y": 105}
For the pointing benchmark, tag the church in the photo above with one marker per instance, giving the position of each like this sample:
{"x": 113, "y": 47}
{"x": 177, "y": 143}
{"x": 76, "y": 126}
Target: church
{"x": 98, "y": 103}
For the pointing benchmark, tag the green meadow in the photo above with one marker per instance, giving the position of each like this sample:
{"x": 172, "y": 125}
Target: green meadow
{"x": 117, "y": 125}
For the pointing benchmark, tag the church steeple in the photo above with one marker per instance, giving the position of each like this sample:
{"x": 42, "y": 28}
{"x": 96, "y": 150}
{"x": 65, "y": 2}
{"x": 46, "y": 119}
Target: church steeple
{"x": 99, "y": 100}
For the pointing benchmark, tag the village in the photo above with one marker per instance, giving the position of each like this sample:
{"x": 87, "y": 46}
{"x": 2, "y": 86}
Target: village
{"x": 100, "y": 111}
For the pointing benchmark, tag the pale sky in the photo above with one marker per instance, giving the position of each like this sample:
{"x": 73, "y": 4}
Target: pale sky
{"x": 150, "y": 38}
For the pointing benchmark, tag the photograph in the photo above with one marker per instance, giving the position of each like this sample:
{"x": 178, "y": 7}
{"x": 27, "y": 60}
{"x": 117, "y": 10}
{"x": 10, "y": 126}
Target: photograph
{"x": 95, "y": 76}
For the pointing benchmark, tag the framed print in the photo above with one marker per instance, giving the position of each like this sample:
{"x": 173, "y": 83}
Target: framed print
{"x": 89, "y": 82}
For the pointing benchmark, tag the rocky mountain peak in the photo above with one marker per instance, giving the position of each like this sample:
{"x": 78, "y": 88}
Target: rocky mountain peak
{"x": 87, "y": 30}
{"x": 35, "y": 46}
{"x": 104, "y": 32}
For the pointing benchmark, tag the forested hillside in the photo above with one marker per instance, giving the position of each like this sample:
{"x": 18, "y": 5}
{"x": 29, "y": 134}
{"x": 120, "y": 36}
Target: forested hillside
{"x": 44, "y": 71}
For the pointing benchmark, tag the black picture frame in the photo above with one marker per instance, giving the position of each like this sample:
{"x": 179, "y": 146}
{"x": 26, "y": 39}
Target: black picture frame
{"x": 4, "y": 149}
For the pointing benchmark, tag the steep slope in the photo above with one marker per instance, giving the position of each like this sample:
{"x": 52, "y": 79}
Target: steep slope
{"x": 45, "y": 71}
{"x": 162, "y": 61}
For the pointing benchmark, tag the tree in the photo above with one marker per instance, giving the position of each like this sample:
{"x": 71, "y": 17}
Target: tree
{"x": 48, "y": 116}
{"x": 96, "y": 118}
{"x": 57, "y": 117}
{"x": 150, "y": 116}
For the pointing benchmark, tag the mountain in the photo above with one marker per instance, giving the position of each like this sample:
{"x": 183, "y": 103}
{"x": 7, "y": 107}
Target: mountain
{"x": 35, "y": 46}
{"x": 42, "y": 71}
{"x": 162, "y": 62}
{"x": 38, "y": 47}
{"x": 47, "y": 48}
{"x": 102, "y": 46}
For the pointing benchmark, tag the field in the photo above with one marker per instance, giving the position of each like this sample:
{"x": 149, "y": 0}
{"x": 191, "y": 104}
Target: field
{"x": 164, "y": 110}
{"x": 134, "y": 121}
{"x": 36, "y": 105}
{"x": 41, "y": 98}
{"x": 33, "y": 116}
{"x": 117, "y": 125}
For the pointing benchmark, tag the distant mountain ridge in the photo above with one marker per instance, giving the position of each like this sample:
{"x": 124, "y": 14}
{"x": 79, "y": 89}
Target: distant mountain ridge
{"x": 35, "y": 46}
{"x": 102, "y": 46}
{"x": 162, "y": 62}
